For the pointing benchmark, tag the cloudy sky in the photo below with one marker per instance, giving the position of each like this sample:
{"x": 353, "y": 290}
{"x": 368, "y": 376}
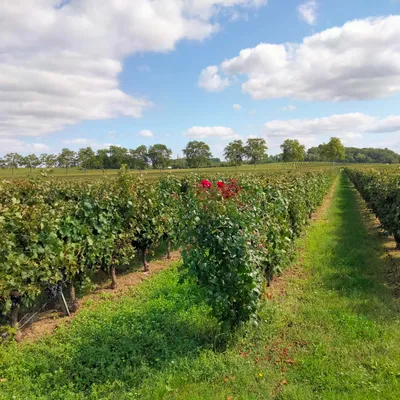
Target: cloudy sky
{"x": 76, "y": 73}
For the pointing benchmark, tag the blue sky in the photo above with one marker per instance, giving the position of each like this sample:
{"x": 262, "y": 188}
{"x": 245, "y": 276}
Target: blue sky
{"x": 78, "y": 74}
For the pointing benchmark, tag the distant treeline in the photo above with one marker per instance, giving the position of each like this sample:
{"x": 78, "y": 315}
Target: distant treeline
{"x": 198, "y": 154}
{"x": 355, "y": 155}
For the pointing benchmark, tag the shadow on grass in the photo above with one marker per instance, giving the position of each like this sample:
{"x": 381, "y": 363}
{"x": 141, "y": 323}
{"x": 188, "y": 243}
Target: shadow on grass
{"x": 357, "y": 268}
{"x": 124, "y": 342}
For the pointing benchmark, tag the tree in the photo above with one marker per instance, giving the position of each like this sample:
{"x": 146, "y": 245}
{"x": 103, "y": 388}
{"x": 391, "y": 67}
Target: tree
{"x": 234, "y": 152}
{"x": 214, "y": 162}
{"x": 315, "y": 153}
{"x": 160, "y": 156}
{"x": 274, "y": 159}
{"x": 117, "y": 156}
{"x": 382, "y": 156}
{"x": 31, "y": 161}
{"x": 13, "y": 160}
{"x": 66, "y": 159}
{"x": 334, "y": 150}
{"x": 255, "y": 150}
{"x": 102, "y": 159}
{"x": 197, "y": 153}
{"x": 360, "y": 158}
{"x": 87, "y": 158}
{"x": 49, "y": 160}
{"x": 179, "y": 163}
{"x": 292, "y": 150}
{"x": 139, "y": 158}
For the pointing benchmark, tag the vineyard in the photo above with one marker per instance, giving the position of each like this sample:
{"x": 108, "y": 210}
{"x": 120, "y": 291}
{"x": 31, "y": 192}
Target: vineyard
{"x": 235, "y": 232}
{"x": 380, "y": 187}
{"x": 224, "y": 321}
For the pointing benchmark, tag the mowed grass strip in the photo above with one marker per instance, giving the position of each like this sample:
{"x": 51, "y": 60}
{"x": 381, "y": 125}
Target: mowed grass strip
{"x": 346, "y": 316}
{"x": 329, "y": 330}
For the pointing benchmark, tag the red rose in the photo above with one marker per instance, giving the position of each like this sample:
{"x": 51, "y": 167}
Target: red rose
{"x": 206, "y": 184}
{"x": 220, "y": 184}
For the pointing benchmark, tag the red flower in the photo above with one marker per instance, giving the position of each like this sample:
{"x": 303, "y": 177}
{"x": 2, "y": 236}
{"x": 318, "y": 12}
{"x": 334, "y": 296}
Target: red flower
{"x": 206, "y": 184}
{"x": 230, "y": 189}
{"x": 220, "y": 184}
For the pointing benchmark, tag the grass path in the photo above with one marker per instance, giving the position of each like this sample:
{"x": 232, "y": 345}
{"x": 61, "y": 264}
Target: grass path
{"x": 329, "y": 330}
{"x": 342, "y": 311}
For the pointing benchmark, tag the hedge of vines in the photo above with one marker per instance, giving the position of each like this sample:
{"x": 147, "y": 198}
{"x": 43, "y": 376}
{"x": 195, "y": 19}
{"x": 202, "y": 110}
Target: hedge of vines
{"x": 242, "y": 233}
{"x": 380, "y": 188}
{"x": 236, "y": 232}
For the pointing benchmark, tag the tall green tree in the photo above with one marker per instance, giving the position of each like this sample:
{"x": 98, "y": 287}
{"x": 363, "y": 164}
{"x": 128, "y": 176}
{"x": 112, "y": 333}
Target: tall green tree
{"x": 255, "y": 150}
{"x": 13, "y": 161}
{"x": 87, "y": 158}
{"x": 160, "y": 156}
{"x": 235, "y": 153}
{"x": 117, "y": 156}
{"x": 31, "y": 161}
{"x": 334, "y": 150}
{"x": 139, "y": 158}
{"x": 197, "y": 154}
{"x": 66, "y": 159}
{"x": 48, "y": 160}
{"x": 292, "y": 150}
{"x": 102, "y": 159}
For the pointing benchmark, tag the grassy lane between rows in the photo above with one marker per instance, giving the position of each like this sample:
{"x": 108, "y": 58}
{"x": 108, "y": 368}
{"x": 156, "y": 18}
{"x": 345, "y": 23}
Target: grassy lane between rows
{"x": 329, "y": 330}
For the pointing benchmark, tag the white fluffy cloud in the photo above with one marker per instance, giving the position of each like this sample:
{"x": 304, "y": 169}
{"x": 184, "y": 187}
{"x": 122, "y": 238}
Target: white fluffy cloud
{"x": 211, "y": 81}
{"x": 8, "y": 145}
{"x": 343, "y": 125}
{"x": 308, "y": 11}
{"x": 60, "y": 60}
{"x": 358, "y": 61}
{"x": 354, "y": 129}
{"x": 146, "y": 133}
{"x": 237, "y": 107}
{"x": 211, "y": 132}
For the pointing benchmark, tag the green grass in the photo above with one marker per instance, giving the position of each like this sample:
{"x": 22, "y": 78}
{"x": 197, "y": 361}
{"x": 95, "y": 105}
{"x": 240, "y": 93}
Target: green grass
{"x": 343, "y": 310}
{"x": 334, "y": 333}
{"x": 75, "y": 173}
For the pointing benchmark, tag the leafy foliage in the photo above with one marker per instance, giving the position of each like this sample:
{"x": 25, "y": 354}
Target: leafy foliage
{"x": 292, "y": 150}
{"x": 380, "y": 187}
{"x": 356, "y": 155}
{"x": 255, "y": 150}
{"x": 197, "y": 153}
{"x": 235, "y": 152}
{"x": 241, "y": 233}
{"x": 334, "y": 150}
{"x": 160, "y": 156}
{"x": 238, "y": 231}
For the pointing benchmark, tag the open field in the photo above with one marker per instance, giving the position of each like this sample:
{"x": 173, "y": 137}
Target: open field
{"x": 75, "y": 173}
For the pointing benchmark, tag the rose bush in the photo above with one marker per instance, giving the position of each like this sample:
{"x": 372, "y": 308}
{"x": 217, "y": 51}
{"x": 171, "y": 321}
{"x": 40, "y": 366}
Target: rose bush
{"x": 240, "y": 235}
